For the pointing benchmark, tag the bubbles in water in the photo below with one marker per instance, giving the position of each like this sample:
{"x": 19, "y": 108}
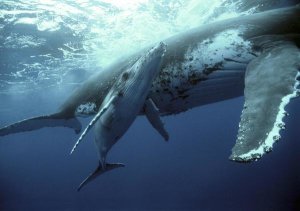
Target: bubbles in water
{"x": 42, "y": 41}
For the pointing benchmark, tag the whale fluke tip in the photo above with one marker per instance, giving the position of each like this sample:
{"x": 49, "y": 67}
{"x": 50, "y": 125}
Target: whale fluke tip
{"x": 98, "y": 171}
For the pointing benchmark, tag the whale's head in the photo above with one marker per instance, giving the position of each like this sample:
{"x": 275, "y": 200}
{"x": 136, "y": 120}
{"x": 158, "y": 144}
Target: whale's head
{"x": 148, "y": 65}
{"x": 138, "y": 78}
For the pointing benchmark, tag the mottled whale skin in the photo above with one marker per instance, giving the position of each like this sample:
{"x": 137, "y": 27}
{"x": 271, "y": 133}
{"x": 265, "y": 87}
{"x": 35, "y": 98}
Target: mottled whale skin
{"x": 205, "y": 65}
{"x": 202, "y": 65}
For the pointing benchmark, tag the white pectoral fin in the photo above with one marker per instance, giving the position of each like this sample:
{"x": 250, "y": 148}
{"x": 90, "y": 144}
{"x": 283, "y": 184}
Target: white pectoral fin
{"x": 93, "y": 121}
{"x": 152, "y": 114}
{"x": 271, "y": 82}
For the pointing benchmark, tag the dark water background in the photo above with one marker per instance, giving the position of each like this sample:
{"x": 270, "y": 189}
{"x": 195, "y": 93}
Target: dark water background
{"x": 191, "y": 172}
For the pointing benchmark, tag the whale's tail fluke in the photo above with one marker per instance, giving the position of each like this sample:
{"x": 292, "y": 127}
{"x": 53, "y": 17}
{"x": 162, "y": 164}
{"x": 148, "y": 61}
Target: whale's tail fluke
{"x": 53, "y": 120}
{"x": 98, "y": 171}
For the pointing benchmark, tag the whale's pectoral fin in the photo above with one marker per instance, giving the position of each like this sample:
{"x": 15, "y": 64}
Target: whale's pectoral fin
{"x": 98, "y": 171}
{"x": 93, "y": 121}
{"x": 152, "y": 113}
{"x": 53, "y": 120}
{"x": 271, "y": 81}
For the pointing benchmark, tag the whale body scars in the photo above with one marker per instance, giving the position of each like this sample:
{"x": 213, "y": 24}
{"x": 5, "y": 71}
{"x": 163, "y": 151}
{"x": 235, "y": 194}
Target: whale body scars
{"x": 255, "y": 55}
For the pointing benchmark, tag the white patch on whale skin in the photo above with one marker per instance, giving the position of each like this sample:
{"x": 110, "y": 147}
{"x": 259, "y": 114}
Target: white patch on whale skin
{"x": 86, "y": 109}
{"x": 227, "y": 50}
{"x": 210, "y": 52}
{"x": 274, "y": 134}
{"x": 225, "y": 55}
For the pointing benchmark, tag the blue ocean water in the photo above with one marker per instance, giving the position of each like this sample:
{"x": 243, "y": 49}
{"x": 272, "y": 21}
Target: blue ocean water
{"x": 47, "y": 49}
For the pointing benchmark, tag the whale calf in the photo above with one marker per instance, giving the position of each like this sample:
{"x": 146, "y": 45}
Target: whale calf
{"x": 256, "y": 55}
{"x": 122, "y": 105}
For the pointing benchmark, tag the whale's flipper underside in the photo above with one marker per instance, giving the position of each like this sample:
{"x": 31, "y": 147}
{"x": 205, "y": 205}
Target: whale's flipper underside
{"x": 152, "y": 114}
{"x": 271, "y": 81}
{"x": 93, "y": 121}
{"x": 53, "y": 120}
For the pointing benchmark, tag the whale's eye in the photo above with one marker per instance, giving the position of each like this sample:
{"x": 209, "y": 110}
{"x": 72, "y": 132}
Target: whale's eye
{"x": 120, "y": 94}
{"x": 125, "y": 76}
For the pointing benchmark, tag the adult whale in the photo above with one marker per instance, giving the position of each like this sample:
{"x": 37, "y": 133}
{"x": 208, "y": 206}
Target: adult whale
{"x": 257, "y": 55}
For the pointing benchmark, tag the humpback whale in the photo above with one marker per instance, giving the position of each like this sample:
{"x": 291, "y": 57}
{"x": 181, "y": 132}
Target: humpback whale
{"x": 122, "y": 105}
{"x": 256, "y": 56}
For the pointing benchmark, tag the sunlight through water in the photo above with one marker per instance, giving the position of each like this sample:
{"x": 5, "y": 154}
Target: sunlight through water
{"x": 61, "y": 42}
